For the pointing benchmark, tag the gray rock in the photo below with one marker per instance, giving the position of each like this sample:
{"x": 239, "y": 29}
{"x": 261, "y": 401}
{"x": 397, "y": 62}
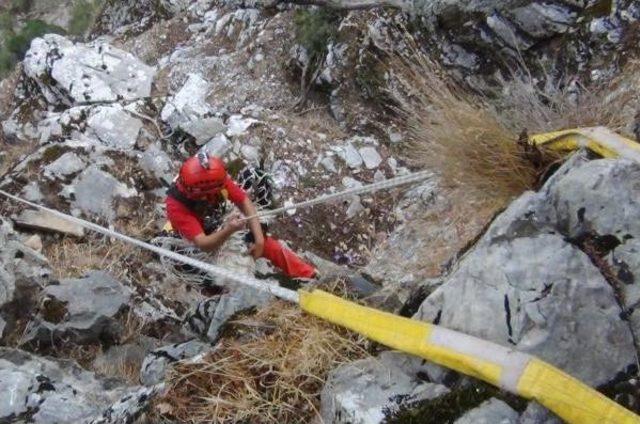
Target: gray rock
{"x": 156, "y": 364}
{"x": 44, "y": 221}
{"x": 238, "y": 125}
{"x": 397, "y": 261}
{"x": 82, "y": 310}
{"x": 539, "y": 293}
{"x": 625, "y": 261}
{"x": 23, "y": 272}
{"x": 188, "y": 104}
{"x": 598, "y": 196}
{"x": 493, "y": 411}
{"x": 203, "y": 130}
{"x": 458, "y": 56}
{"x": 229, "y": 304}
{"x": 351, "y": 156}
{"x": 130, "y": 406}
{"x": 114, "y": 127}
{"x": 538, "y": 414}
{"x": 364, "y": 391}
{"x": 96, "y": 192}
{"x": 355, "y": 207}
{"x": 395, "y": 136}
{"x": 218, "y": 146}
{"x": 538, "y": 303}
{"x": 32, "y": 193}
{"x": 250, "y": 153}
{"x": 328, "y": 164}
{"x": 371, "y": 157}
{"x": 45, "y": 392}
{"x": 66, "y": 165}
{"x": 540, "y": 20}
{"x": 157, "y": 162}
{"x": 95, "y": 72}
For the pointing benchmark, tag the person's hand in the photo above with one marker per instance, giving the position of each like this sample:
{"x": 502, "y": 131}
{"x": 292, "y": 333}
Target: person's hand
{"x": 257, "y": 248}
{"x": 235, "y": 223}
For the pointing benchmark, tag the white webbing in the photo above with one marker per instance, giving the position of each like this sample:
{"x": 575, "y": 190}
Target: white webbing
{"x": 369, "y": 188}
{"x": 246, "y": 280}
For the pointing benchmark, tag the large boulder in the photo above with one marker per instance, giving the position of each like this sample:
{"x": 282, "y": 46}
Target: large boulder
{"x": 71, "y": 73}
{"x": 81, "y": 310}
{"x": 534, "y": 284}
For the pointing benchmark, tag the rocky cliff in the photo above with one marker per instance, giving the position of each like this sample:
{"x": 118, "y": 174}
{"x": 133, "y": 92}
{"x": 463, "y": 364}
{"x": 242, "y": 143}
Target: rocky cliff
{"x": 95, "y": 124}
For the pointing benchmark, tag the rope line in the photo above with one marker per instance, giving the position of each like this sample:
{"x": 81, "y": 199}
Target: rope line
{"x": 369, "y": 188}
{"x": 217, "y": 271}
{"x": 243, "y": 279}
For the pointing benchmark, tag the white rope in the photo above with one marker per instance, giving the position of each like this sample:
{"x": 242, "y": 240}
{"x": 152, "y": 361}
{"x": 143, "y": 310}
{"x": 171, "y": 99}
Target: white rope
{"x": 246, "y": 280}
{"x": 369, "y": 188}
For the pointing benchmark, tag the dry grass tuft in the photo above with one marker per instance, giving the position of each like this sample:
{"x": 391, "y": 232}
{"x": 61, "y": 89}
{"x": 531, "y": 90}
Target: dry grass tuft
{"x": 471, "y": 140}
{"x": 457, "y": 135}
{"x": 71, "y": 258}
{"x": 273, "y": 373}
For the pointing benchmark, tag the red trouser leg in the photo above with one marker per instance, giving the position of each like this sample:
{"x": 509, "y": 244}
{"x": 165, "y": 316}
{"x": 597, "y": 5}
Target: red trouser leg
{"x": 290, "y": 264}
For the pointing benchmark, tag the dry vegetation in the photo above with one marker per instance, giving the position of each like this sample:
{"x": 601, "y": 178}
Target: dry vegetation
{"x": 471, "y": 140}
{"x": 72, "y": 258}
{"x": 456, "y": 134}
{"x": 271, "y": 371}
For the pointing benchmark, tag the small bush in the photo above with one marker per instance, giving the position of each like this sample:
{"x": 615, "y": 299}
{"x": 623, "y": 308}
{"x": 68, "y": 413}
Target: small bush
{"x": 315, "y": 29}
{"x": 20, "y": 42}
{"x": 17, "y": 44}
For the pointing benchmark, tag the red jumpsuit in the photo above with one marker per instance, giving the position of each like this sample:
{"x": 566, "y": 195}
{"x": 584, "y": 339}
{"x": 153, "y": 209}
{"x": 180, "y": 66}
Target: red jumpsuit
{"x": 189, "y": 224}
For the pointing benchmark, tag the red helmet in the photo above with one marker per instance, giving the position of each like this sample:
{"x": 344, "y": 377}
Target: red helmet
{"x": 201, "y": 175}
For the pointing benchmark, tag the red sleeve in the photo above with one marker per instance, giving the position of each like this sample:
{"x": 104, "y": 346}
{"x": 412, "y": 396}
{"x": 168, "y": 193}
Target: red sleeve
{"x": 236, "y": 194}
{"x": 185, "y": 222}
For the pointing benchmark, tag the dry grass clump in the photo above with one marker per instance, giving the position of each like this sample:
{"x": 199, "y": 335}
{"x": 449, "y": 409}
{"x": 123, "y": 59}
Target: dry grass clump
{"x": 457, "y": 135}
{"x": 273, "y": 373}
{"x": 72, "y": 258}
{"x": 471, "y": 140}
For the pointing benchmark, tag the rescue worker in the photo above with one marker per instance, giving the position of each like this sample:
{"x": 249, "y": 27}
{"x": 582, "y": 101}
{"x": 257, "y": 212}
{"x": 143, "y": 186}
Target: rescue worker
{"x": 195, "y": 208}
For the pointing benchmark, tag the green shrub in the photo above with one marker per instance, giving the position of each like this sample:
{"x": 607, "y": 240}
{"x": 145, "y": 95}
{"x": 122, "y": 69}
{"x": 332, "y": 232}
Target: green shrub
{"x": 315, "y": 29}
{"x": 17, "y": 44}
{"x": 20, "y": 42}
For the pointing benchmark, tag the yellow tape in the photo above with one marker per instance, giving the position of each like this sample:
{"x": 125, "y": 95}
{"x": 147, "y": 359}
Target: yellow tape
{"x": 570, "y": 399}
